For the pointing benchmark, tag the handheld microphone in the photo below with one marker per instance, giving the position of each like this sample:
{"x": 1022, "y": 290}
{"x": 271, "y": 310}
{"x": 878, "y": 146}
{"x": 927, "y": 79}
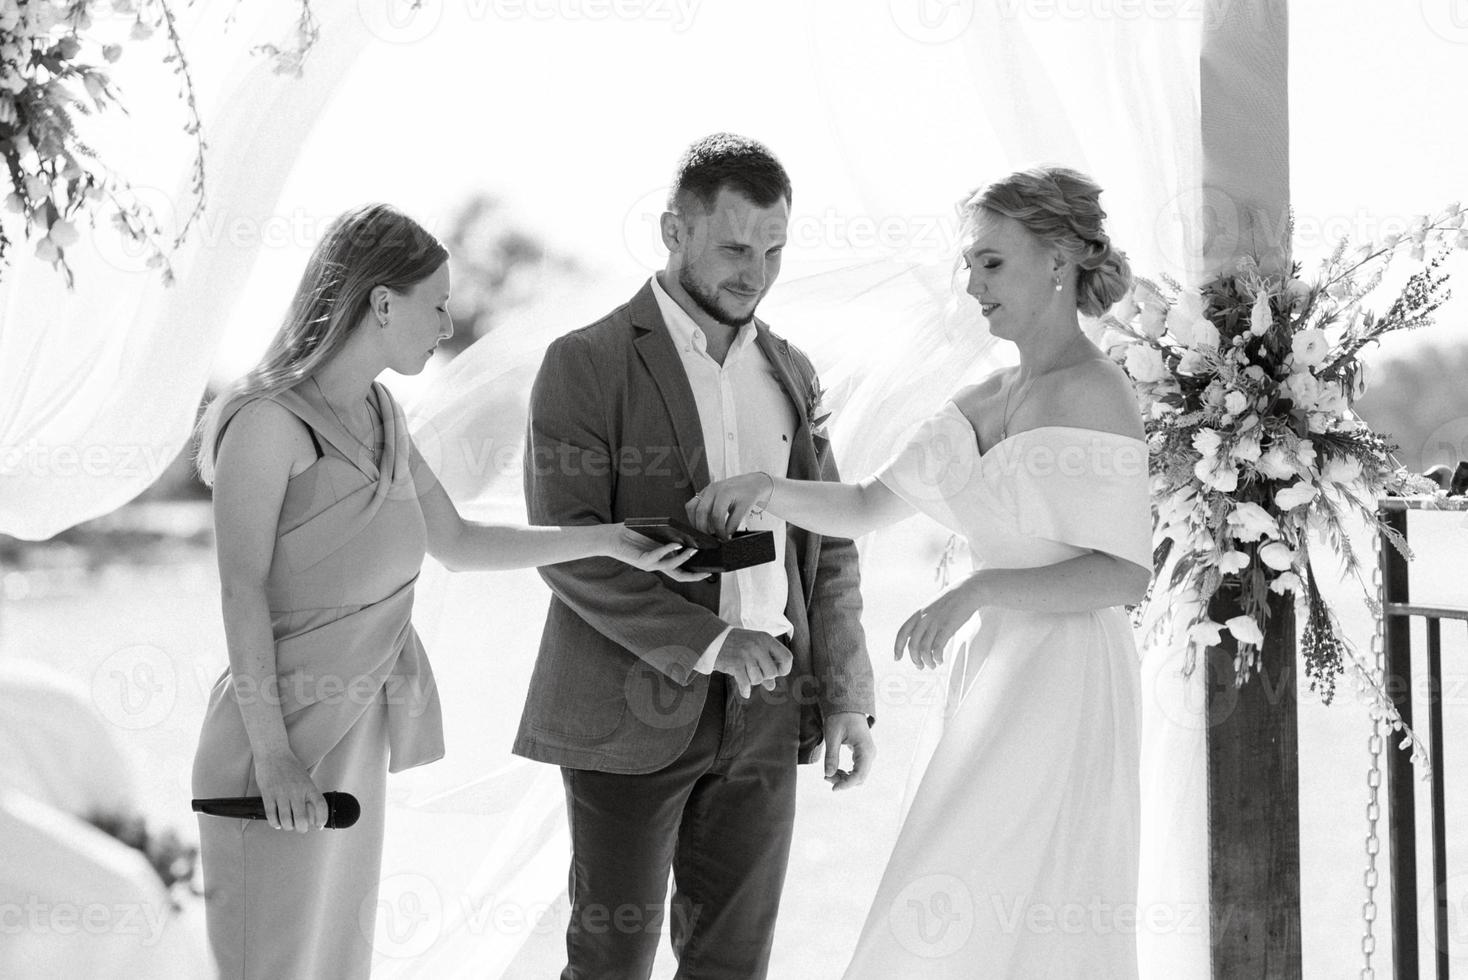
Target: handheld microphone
{"x": 342, "y": 809}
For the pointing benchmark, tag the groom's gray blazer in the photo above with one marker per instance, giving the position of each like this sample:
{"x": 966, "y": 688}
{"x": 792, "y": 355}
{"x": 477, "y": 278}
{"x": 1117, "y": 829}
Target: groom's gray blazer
{"x": 614, "y": 433}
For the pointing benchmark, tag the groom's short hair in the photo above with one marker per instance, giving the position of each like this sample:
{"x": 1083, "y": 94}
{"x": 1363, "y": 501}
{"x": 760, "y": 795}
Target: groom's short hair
{"x": 726, "y": 160}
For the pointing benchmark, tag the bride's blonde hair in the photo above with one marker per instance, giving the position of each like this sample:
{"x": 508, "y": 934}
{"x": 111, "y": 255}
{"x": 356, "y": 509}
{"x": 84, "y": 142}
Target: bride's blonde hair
{"x": 1062, "y": 208}
{"x": 374, "y": 245}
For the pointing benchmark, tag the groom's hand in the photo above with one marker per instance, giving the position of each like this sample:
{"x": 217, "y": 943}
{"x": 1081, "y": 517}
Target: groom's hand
{"x": 753, "y": 657}
{"x": 849, "y": 728}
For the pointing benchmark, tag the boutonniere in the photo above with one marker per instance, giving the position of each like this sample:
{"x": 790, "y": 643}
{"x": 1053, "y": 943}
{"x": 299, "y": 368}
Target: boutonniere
{"x": 816, "y": 412}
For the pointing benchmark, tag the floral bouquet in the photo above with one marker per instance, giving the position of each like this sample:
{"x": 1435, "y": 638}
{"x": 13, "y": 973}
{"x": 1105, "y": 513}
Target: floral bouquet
{"x": 1246, "y": 386}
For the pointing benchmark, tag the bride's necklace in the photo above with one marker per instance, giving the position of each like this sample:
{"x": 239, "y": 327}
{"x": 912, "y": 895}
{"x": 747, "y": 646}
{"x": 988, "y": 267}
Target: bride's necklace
{"x": 1005, "y": 417}
{"x": 372, "y": 453}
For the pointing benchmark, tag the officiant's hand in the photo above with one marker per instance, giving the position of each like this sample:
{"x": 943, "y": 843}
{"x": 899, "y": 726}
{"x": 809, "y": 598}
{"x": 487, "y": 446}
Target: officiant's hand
{"x": 753, "y": 657}
{"x": 720, "y": 508}
{"x": 927, "y": 631}
{"x": 292, "y": 801}
{"x": 643, "y": 552}
{"x": 849, "y": 728}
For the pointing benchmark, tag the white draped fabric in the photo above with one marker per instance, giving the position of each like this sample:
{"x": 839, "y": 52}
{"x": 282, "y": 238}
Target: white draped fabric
{"x": 98, "y": 385}
{"x": 121, "y": 363}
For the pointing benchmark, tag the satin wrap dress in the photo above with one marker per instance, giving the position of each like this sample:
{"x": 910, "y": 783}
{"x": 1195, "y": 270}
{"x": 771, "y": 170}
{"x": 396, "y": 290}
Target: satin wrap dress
{"x": 357, "y": 695}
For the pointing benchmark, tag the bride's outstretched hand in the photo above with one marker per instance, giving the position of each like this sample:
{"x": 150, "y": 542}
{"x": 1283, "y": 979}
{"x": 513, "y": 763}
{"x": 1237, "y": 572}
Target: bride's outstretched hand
{"x": 721, "y": 507}
{"x": 643, "y": 552}
{"x": 927, "y": 631}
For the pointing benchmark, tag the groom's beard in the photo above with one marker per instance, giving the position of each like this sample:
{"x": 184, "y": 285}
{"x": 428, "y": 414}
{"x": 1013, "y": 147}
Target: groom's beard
{"x": 708, "y": 301}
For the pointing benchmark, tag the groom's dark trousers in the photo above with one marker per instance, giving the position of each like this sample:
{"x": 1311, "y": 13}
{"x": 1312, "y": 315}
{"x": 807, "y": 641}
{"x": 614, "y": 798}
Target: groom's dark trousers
{"x": 663, "y": 768}
{"x": 719, "y": 817}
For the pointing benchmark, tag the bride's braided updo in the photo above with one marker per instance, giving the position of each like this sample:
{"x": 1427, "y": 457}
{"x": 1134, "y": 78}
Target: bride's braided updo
{"x": 1061, "y": 207}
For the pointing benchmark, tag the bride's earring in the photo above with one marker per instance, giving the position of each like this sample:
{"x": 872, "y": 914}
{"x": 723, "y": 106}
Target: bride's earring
{"x": 1058, "y": 286}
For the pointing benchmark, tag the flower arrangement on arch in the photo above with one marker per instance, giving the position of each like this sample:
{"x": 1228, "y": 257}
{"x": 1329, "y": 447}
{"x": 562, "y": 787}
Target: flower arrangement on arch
{"x": 53, "y": 73}
{"x": 1246, "y": 386}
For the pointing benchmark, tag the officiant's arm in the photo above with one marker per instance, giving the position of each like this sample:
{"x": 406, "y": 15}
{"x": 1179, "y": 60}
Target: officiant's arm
{"x": 464, "y": 545}
{"x": 569, "y": 480}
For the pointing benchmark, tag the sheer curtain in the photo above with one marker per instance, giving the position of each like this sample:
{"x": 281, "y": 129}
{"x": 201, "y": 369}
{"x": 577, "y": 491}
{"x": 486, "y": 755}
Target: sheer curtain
{"x": 477, "y": 852}
{"x": 98, "y": 384}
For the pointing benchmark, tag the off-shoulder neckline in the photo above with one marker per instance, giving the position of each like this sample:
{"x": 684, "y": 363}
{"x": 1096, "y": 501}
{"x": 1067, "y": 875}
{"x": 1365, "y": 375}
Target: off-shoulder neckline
{"x": 1038, "y": 428}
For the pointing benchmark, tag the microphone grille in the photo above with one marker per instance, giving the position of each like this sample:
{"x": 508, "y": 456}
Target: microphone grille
{"x": 343, "y": 810}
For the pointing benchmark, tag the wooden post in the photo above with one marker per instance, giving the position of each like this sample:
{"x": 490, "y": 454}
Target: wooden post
{"x": 1253, "y": 759}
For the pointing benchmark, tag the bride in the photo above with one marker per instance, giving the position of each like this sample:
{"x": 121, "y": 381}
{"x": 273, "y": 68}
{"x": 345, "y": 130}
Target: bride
{"x": 1019, "y": 854}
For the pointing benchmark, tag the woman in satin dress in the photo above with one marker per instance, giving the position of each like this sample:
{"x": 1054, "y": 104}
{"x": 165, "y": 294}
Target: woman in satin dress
{"x": 1018, "y": 855}
{"x": 323, "y": 511}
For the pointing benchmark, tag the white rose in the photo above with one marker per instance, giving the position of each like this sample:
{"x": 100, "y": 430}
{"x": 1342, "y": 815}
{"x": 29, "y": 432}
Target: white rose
{"x": 1246, "y": 630}
{"x": 1194, "y": 363}
{"x": 14, "y": 203}
{"x": 1247, "y": 449}
{"x": 1286, "y": 582}
{"x": 1303, "y": 389}
{"x": 1277, "y": 556}
{"x": 1144, "y": 363}
{"x": 1260, "y": 317}
{"x": 1332, "y": 399}
{"x": 1305, "y": 455}
{"x": 1250, "y": 522}
{"x": 37, "y": 188}
{"x": 1206, "y": 633}
{"x": 1232, "y": 561}
{"x": 1277, "y": 464}
{"x": 1341, "y": 469}
{"x": 1207, "y": 442}
{"x": 1220, "y": 474}
{"x": 1309, "y": 348}
{"x": 46, "y": 250}
{"x": 1235, "y": 402}
{"x": 1297, "y": 494}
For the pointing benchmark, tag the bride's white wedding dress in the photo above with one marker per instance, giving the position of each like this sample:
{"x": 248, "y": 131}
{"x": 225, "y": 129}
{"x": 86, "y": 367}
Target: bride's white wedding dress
{"x": 1018, "y": 855}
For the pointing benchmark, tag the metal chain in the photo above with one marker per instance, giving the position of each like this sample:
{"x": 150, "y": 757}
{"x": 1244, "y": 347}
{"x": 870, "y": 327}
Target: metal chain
{"x": 1373, "y": 786}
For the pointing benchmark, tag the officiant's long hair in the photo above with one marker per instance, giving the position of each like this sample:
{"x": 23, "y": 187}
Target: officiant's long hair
{"x": 374, "y": 245}
{"x": 1062, "y": 208}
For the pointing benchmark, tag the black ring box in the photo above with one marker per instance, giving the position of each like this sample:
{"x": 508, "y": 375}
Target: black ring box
{"x": 743, "y": 550}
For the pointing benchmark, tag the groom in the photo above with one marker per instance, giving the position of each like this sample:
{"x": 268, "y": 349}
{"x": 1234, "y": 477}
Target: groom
{"x": 677, "y": 711}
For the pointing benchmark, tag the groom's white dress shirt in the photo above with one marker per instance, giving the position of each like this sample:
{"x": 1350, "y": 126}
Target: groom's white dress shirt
{"x": 748, "y": 423}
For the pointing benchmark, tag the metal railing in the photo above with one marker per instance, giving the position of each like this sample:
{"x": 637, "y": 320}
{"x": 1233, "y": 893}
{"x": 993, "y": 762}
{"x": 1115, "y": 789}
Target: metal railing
{"x": 1398, "y": 612}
